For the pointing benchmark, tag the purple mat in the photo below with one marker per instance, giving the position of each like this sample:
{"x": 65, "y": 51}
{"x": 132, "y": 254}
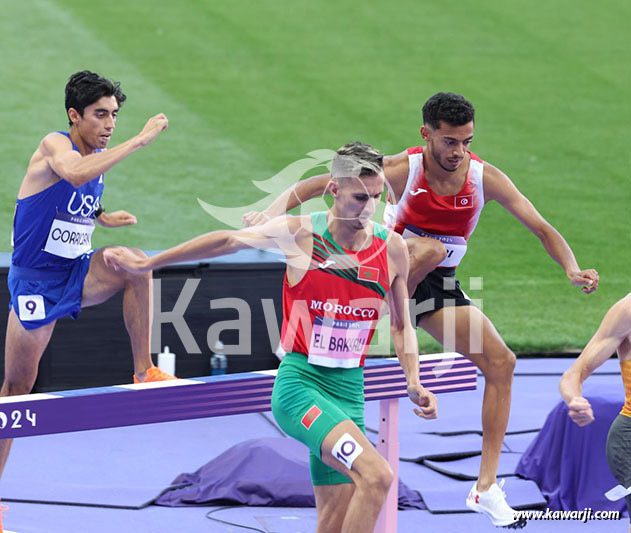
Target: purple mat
{"x": 519, "y": 442}
{"x": 468, "y": 468}
{"x": 569, "y": 462}
{"x": 44, "y": 518}
{"x": 443, "y": 494}
{"x": 460, "y": 412}
{"x": 414, "y": 447}
{"x": 557, "y": 365}
{"x": 123, "y": 467}
{"x": 257, "y": 472}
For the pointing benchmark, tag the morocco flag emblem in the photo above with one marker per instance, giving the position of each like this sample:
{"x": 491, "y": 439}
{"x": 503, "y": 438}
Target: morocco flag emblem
{"x": 368, "y": 274}
{"x": 311, "y": 416}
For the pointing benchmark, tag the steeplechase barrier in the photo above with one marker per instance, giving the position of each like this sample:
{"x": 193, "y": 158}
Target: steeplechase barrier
{"x": 225, "y": 395}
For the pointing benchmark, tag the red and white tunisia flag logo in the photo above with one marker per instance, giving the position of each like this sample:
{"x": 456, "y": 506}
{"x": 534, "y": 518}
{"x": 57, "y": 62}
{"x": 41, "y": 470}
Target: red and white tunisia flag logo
{"x": 463, "y": 202}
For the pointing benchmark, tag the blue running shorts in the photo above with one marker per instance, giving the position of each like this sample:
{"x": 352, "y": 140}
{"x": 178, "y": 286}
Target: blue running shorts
{"x": 41, "y": 296}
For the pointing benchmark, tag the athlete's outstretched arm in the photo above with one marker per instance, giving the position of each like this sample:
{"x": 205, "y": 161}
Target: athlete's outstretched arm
{"x": 395, "y": 168}
{"x": 279, "y": 233}
{"x": 403, "y": 334}
{"x": 292, "y": 197}
{"x": 71, "y": 166}
{"x": 497, "y": 186}
{"x": 614, "y": 329}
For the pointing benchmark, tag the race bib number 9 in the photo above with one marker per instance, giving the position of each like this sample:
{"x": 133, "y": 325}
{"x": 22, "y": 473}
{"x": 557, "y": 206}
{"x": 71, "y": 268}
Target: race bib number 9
{"x": 70, "y": 236}
{"x": 31, "y": 307}
{"x": 338, "y": 343}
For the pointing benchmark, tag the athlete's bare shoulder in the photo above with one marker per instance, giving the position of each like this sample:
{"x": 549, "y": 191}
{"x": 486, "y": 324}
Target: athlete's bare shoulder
{"x": 625, "y": 308}
{"x": 396, "y": 166}
{"x": 286, "y": 230}
{"x": 396, "y": 243}
{"x": 396, "y": 169}
{"x": 54, "y": 142}
{"x": 299, "y": 224}
{"x": 294, "y": 236}
{"x": 397, "y": 250}
{"x": 491, "y": 171}
{"x": 39, "y": 174}
{"x": 497, "y": 185}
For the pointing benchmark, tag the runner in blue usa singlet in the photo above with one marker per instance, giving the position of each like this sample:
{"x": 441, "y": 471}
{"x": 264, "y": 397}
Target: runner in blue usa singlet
{"x": 52, "y": 248}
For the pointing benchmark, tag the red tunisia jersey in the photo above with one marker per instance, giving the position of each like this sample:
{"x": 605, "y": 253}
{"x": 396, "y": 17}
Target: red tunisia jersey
{"x": 331, "y": 314}
{"x": 450, "y": 219}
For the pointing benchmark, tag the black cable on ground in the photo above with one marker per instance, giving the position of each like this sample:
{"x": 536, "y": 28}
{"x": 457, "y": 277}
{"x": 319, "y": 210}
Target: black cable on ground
{"x": 231, "y": 523}
{"x": 272, "y": 422}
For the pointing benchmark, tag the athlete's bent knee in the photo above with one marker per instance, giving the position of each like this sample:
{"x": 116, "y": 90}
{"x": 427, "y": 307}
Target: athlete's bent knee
{"x": 138, "y": 252}
{"x": 377, "y": 480}
{"x": 501, "y": 365}
{"x": 436, "y": 251}
{"x": 145, "y": 276}
{"x": 17, "y": 388}
{"x": 426, "y": 250}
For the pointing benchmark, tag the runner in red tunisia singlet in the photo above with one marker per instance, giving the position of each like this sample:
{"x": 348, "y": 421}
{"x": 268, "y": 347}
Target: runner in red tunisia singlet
{"x": 448, "y": 219}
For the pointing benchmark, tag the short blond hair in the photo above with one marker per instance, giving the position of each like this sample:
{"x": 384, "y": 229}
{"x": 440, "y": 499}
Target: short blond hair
{"x": 354, "y": 160}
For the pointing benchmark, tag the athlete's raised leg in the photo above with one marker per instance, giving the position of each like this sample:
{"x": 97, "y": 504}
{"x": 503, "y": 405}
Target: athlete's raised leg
{"x": 474, "y": 336}
{"x": 352, "y": 508}
{"x": 425, "y": 255}
{"x": 102, "y": 282}
{"x": 23, "y": 350}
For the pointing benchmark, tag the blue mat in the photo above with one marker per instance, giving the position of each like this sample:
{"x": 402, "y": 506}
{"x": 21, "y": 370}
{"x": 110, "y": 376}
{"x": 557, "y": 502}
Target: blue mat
{"x": 128, "y": 467}
{"x": 414, "y": 447}
{"x": 568, "y": 462}
{"x": 519, "y": 442}
{"x": 122, "y": 467}
{"x": 426, "y": 522}
{"x": 442, "y": 494}
{"x": 39, "y": 518}
{"x": 418, "y": 446}
{"x": 460, "y": 412}
{"x": 557, "y": 365}
{"x": 469, "y": 468}
{"x": 451, "y": 415}
{"x": 535, "y": 396}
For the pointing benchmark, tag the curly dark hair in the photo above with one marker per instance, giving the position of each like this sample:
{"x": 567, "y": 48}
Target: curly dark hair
{"x": 85, "y": 87}
{"x": 454, "y": 109}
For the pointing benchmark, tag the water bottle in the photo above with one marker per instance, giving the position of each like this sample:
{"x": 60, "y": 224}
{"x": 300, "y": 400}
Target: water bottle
{"x": 166, "y": 361}
{"x": 218, "y": 362}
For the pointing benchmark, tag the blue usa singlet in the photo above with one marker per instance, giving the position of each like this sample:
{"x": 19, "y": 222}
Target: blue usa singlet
{"x": 54, "y": 226}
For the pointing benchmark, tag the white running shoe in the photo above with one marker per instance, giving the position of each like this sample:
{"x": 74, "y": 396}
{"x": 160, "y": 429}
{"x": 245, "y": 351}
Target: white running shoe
{"x": 493, "y": 504}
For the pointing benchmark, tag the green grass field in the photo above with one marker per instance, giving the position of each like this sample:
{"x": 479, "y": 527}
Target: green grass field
{"x": 252, "y": 86}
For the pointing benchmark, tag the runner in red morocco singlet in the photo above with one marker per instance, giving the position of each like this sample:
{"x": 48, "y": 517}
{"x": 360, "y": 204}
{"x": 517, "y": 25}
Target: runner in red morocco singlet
{"x": 435, "y": 196}
{"x": 340, "y": 268}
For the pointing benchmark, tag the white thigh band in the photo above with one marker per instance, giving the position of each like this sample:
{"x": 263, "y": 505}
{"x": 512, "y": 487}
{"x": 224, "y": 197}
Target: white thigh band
{"x": 346, "y": 450}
